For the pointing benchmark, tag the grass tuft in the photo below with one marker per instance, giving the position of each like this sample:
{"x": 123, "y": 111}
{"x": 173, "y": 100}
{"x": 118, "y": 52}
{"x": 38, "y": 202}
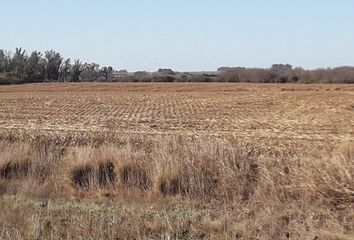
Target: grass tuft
{"x": 135, "y": 176}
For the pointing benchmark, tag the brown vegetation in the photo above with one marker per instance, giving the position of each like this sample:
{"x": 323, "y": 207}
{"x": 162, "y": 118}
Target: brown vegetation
{"x": 277, "y": 74}
{"x": 270, "y": 115}
{"x": 238, "y": 162}
{"x": 296, "y": 194}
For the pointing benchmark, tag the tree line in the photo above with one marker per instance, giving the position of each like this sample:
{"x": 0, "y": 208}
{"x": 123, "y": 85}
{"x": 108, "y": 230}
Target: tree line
{"x": 277, "y": 73}
{"x": 285, "y": 73}
{"x": 50, "y": 66}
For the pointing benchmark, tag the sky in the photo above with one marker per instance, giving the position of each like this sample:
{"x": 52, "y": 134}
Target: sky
{"x": 185, "y": 35}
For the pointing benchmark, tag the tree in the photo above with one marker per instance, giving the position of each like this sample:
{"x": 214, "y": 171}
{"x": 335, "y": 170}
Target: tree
{"x": 281, "y": 73}
{"x": 90, "y": 71}
{"x": 34, "y": 67}
{"x": 19, "y": 62}
{"x": 106, "y": 71}
{"x": 8, "y": 66}
{"x": 65, "y": 70}
{"x": 2, "y": 61}
{"x": 53, "y": 62}
{"x": 281, "y": 67}
{"x": 76, "y": 71}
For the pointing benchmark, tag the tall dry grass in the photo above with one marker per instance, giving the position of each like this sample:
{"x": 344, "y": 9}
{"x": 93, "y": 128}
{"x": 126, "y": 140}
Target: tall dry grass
{"x": 251, "y": 194}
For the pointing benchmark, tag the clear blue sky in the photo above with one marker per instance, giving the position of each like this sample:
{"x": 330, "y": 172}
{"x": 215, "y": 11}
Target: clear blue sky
{"x": 184, "y": 34}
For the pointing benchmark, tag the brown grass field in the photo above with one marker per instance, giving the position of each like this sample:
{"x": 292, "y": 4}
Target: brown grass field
{"x": 251, "y": 112}
{"x": 176, "y": 161}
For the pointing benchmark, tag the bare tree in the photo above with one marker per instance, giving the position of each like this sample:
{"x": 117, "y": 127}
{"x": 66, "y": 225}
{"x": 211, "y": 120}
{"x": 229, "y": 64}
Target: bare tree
{"x": 2, "y": 61}
{"x": 90, "y": 71}
{"x": 65, "y": 70}
{"x": 76, "y": 70}
{"x": 107, "y": 71}
{"x": 19, "y": 62}
{"x": 34, "y": 67}
{"x": 53, "y": 60}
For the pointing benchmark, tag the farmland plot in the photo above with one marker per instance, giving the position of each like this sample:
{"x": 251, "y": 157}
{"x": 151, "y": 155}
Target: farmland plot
{"x": 252, "y": 113}
{"x": 176, "y": 161}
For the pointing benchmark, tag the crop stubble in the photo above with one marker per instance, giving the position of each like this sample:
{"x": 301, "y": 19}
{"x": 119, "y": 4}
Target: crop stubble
{"x": 250, "y": 112}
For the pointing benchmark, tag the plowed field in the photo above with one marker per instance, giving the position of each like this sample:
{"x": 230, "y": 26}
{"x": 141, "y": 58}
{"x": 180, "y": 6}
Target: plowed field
{"x": 250, "y": 112}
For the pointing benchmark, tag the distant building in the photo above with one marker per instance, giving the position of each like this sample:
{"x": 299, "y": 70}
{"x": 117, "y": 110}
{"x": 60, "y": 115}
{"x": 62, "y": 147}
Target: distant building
{"x": 140, "y": 73}
{"x": 121, "y": 73}
{"x": 166, "y": 71}
{"x": 224, "y": 69}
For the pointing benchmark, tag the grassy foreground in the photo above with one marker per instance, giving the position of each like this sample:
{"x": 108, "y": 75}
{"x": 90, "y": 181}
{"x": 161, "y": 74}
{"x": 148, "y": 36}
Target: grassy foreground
{"x": 31, "y": 218}
{"x": 172, "y": 188}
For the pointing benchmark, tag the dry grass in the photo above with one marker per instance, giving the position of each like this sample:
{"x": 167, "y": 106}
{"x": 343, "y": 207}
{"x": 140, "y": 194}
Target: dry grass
{"x": 266, "y": 114}
{"x": 246, "y": 194}
{"x": 200, "y": 161}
